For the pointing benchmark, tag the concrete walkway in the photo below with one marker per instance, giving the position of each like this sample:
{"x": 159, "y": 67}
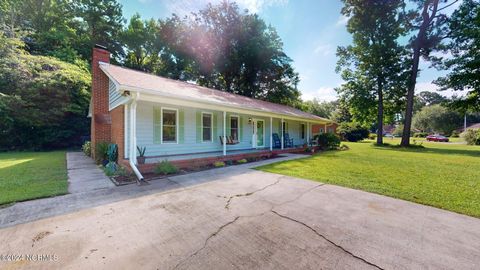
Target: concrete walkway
{"x": 102, "y": 191}
{"x": 246, "y": 219}
{"x": 84, "y": 175}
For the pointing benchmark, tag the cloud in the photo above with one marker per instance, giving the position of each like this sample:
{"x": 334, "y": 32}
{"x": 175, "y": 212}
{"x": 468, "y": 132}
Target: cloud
{"x": 342, "y": 20}
{"x": 324, "y": 93}
{"x": 185, "y": 7}
{"x": 324, "y": 49}
{"x": 256, "y": 6}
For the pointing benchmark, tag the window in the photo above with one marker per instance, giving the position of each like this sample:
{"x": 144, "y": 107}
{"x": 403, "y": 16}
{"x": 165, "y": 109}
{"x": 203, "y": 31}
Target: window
{"x": 330, "y": 130}
{"x": 234, "y": 127}
{"x": 169, "y": 126}
{"x": 302, "y": 131}
{"x": 207, "y": 127}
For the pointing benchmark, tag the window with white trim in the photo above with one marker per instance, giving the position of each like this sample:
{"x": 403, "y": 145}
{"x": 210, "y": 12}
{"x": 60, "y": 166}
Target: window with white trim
{"x": 234, "y": 127}
{"x": 207, "y": 123}
{"x": 169, "y": 126}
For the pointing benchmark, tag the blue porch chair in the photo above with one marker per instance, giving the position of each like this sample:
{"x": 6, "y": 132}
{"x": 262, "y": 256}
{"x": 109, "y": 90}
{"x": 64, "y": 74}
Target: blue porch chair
{"x": 276, "y": 143}
{"x": 288, "y": 142}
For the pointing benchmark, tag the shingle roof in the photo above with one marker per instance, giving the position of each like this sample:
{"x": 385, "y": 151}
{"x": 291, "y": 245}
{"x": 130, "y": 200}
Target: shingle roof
{"x": 155, "y": 84}
{"x": 474, "y": 126}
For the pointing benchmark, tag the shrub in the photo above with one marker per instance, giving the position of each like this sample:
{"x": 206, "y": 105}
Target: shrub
{"x": 455, "y": 134}
{"x": 353, "y": 132}
{"x": 112, "y": 152}
{"x": 219, "y": 164}
{"x": 165, "y": 167}
{"x": 328, "y": 141}
{"x": 372, "y": 136}
{"x": 113, "y": 169}
{"x": 87, "y": 148}
{"x": 420, "y": 134}
{"x": 101, "y": 149}
{"x": 241, "y": 161}
{"x": 471, "y": 136}
{"x": 110, "y": 168}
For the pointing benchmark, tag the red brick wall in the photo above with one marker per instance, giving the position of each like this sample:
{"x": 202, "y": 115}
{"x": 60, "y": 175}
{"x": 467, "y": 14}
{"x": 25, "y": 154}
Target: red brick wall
{"x": 118, "y": 130}
{"x": 316, "y": 128}
{"x": 101, "y": 120}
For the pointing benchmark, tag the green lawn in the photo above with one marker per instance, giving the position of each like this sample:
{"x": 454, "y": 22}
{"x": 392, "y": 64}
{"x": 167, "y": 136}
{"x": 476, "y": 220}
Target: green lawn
{"x": 442, "y": 175}
{"x": 31, "y": 175}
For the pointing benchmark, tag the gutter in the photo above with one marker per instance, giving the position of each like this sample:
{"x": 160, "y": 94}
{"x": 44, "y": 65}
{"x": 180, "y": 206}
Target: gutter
{"x": 133, "y": 138}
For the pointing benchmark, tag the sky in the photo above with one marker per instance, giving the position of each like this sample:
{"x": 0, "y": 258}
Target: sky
{"x": 311, "y": 30}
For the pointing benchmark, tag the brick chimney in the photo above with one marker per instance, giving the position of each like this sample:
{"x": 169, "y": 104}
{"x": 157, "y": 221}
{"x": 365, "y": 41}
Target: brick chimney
{"x": 101, "y": 119}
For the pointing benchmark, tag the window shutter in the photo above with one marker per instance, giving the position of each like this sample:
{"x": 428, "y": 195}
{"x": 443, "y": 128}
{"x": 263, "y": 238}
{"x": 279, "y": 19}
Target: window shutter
{"x": 280, "y": 127}
{"x": 157, "y": 125}
{"x": 229, "y": 125}
{"x": 181, "y": 126}
{"x": 214, "y": 126}
{"x": 240, "y": 128}
{"x": 199, "y": 127}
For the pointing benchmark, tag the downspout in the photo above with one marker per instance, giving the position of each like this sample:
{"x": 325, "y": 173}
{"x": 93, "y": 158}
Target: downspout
{"x": 133, "y": 137}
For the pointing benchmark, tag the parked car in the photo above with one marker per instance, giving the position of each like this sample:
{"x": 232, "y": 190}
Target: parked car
{"x": 436, "y": 138}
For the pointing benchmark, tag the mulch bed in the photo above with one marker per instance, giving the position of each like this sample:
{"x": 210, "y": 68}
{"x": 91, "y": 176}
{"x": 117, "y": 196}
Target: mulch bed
{"x": 121, "y": 180}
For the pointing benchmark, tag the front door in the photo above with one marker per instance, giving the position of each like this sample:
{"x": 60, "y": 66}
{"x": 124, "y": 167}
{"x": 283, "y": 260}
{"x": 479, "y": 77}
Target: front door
{"x": 258, "y": 133}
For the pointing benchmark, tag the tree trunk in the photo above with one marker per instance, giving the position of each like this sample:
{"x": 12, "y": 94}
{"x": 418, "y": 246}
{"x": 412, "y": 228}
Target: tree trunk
{"x": 380, "y": 115}
{"x": 417, "y": 45}
{"x": 407, "y": 125}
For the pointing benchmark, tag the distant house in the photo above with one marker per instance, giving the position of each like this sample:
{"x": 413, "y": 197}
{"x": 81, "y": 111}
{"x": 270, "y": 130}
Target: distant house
{"x": 474, "y": 126}
{"x": 388, "y": 129}
{"x": 186, "y": 123}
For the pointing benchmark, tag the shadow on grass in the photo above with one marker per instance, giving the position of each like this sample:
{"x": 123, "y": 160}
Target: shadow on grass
{"x": 428, "y": 150}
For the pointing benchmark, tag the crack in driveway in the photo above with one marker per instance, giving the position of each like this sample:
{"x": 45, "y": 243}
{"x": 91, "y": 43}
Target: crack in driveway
{"x": 227, "y": 205}
{"x": 222, "y": 227}
{"x": 328, "y": 240}
{"x": 214, "y": 234}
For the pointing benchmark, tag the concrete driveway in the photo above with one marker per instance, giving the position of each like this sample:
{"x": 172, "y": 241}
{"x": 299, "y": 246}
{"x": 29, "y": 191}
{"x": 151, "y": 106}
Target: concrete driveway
{"x": 249, "y": 220}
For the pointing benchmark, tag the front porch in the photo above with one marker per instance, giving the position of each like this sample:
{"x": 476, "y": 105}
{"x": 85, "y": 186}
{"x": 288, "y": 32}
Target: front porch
{"x": 198, "y": 135}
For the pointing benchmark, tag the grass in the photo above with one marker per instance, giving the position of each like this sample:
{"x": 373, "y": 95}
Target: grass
{"x": 31, "y": 175}
{"x": 443, "y": 175}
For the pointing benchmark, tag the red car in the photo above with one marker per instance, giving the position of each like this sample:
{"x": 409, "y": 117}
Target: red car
{"x": 436, "y": 138}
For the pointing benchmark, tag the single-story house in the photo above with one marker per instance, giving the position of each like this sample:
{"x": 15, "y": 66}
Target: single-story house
{"x": 184, "y": 122}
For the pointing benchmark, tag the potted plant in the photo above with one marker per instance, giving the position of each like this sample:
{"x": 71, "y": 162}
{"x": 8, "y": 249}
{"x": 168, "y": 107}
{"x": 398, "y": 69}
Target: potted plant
{"x": 141, "y": 154}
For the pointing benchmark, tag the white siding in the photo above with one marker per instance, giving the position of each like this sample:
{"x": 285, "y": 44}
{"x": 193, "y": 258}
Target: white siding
{"x": 145, "y": 131}
{"x": 114, "y": 97}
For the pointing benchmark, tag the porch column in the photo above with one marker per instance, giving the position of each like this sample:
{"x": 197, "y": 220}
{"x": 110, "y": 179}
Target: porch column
{"x": 133, "y": 132}
{"x": 271, "y": 136}
{"x": 325, "y": 127}
{"x": 281, "y": 130}
{"x": 224, "y": 133}
{"x": 308, "y": 133}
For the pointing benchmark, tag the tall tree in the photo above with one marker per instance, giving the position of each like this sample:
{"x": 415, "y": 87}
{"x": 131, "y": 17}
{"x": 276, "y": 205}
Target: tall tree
{"x": 102, "y": 24}
{"x": 137, "y": 39}
{"x": 430, "y": 24}
{"x": 372, "y": 67}
{"x": 321, "y": 108}
{"x": 464, "y": 63}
